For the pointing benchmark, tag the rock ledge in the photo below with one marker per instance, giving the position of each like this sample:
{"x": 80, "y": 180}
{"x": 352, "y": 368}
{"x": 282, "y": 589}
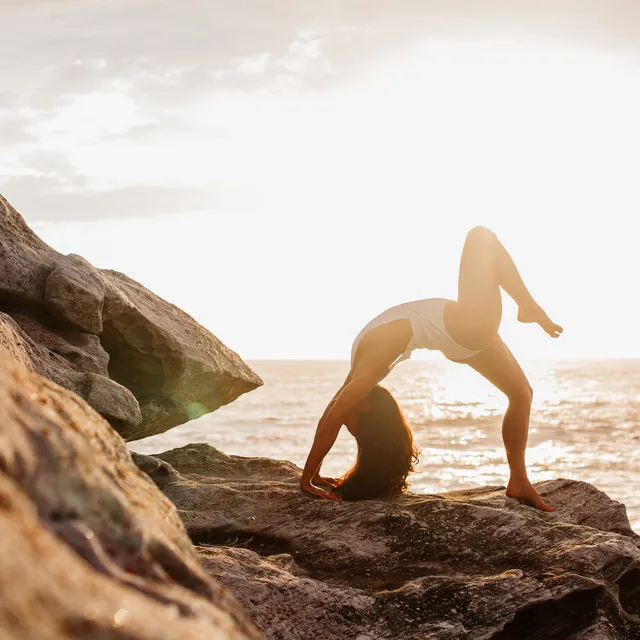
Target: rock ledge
{"x": 466, "y": 564}
{"x": 141, "y": 362}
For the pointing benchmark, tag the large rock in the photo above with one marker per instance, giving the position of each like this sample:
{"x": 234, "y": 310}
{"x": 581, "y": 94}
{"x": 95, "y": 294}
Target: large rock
{"x": 460, "y": 565}
{"x": 90, "y": 549}
{"x": 141, "y": 362}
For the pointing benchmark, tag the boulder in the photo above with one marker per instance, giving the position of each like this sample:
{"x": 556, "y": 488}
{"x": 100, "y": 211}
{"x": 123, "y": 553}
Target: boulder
{"x": 91, "y": 550}
{"x": 141, "y": 362}
{"x": 461, "y": 565}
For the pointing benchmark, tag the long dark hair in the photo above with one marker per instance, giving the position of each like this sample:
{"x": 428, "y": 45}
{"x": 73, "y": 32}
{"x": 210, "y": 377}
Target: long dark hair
{"x": 386, "y": 453}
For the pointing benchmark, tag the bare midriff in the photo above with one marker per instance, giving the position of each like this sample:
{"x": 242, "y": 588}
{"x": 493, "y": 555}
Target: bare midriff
{"x": 383, "y": 345}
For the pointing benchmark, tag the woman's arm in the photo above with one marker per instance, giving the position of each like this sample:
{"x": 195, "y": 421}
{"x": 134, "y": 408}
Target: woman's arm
{"x": 317, "y": 479}
{"x": 328, "y": 428}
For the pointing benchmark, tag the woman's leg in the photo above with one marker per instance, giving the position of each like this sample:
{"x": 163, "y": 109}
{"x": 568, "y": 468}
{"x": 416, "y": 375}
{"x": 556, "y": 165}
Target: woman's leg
{"x": 485, "y": 267}
{"x": 498, "y": 365}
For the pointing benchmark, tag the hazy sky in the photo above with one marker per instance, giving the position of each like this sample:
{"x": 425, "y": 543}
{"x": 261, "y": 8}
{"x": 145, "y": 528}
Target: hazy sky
{"x": 285, "y": 170}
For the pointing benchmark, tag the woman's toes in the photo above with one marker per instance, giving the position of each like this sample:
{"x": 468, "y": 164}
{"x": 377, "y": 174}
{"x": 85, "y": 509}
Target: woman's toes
{"x": 543, "y": 506}
{"x": 554, "y": 330}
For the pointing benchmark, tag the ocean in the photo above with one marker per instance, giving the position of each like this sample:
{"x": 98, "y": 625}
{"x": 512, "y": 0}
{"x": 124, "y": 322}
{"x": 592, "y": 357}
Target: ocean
{"x": 585, "y": 423}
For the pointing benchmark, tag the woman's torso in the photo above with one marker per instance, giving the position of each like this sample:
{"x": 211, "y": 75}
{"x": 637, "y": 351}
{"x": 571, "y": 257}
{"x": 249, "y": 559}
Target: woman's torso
{"x": 397, "y": 331}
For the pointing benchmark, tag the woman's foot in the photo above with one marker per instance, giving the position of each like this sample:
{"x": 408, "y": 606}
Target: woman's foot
{"x": 535, "y": 313}
{"x": 526, "y": 493}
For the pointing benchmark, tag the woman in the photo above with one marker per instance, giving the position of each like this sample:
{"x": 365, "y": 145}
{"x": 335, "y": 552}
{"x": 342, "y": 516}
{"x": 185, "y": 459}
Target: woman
{"x": 465, "y": 331}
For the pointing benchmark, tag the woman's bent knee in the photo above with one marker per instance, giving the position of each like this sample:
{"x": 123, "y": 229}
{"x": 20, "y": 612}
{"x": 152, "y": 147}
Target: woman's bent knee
{"x": 480, "y": 232}
{"x": 522, "y": 397}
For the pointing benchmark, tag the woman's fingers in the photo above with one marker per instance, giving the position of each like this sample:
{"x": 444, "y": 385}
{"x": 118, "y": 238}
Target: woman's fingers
{"x": 326, "y": 482}
{"x": 321, "y": 493}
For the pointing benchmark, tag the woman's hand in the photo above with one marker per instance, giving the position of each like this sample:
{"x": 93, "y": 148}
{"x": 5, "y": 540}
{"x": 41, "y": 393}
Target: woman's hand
{"x": 327, "y": 430}
{"x": 330, "y": 483}
{"x": 318, "y": 493}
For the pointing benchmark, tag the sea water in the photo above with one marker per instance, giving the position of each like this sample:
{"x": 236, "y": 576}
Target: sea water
{"x": 585, "y": 423}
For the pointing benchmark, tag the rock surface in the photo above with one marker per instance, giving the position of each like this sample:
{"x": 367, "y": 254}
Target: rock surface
{"x": 461, "y": 565}
{"x": 141, "y": 362}
{"x": 90, "y": 549}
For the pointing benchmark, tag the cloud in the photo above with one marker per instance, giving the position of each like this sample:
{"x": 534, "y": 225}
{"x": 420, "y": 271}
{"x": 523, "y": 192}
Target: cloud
{"x": 90, "y": 116}
{"x": 228, "y": 99}
{"x": 45, "y": 198}
{"x": 105, "y": 120}
{"x": 13, "y": 130}
{"x": 254, "y": 64}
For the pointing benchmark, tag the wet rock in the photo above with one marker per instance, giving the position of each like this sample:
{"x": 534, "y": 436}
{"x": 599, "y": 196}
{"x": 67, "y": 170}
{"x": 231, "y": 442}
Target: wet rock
{"x": 141, "y": 362}
{"x": 460, "y": 565}
{"x": 91, "y": 550}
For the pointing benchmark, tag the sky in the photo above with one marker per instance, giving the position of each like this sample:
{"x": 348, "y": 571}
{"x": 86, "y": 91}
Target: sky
{"x": 284, "y": 171}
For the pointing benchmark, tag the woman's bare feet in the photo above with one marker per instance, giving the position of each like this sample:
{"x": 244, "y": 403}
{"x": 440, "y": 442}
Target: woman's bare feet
{"x": 535, "y": 313}
{"x": 526, "y": 493}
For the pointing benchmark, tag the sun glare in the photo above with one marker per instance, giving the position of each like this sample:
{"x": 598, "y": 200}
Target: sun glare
{"x": 389, "y": 170}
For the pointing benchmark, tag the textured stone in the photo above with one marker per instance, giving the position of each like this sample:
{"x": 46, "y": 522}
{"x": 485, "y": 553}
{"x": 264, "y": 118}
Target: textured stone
{"x": 75, "y": 291}
{"x": 144, "y": 364}
{"x": 460, "y": 565}
{"x": 73, "y": 360}
{"x": 91, "y": 550}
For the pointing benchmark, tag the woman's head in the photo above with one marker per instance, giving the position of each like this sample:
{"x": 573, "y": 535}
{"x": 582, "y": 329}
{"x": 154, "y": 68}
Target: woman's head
{"x": 386, "y": 453}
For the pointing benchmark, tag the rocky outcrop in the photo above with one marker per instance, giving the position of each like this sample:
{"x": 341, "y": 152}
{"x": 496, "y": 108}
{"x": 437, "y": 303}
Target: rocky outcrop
{"x": 460, "y": 565}
{"x": 141, "y": 362}
{"x": 90, "y": 549}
